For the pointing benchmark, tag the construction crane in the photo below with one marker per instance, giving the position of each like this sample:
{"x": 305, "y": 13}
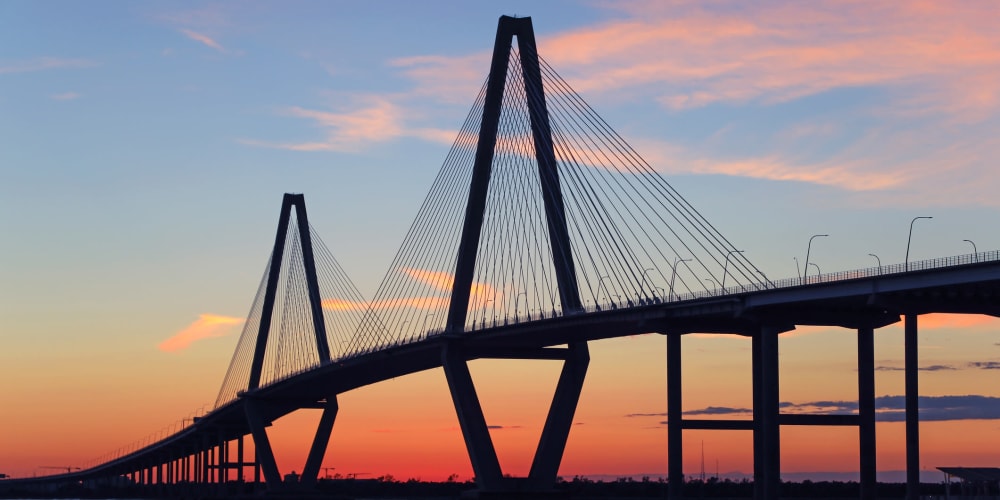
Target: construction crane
{"x": 67, "y": 468}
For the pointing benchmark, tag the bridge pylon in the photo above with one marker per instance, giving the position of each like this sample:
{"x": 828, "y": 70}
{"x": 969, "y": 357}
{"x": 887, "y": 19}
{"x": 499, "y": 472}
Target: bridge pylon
{"x": 576, "y": 356}
{"x": 291, "y": 288}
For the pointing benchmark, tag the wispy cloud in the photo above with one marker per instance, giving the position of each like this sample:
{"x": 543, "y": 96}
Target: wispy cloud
{"x": 44, "y": 63}
{"x": 438, "y": 281}
{"x": 207, "y": 326}
{"x": 204, "y": 40}
{"x": 888, "y": 408}
{"x": 934, "y": 67}
{"x": 373, "y": 120}
{"x": 930, "y": 368}
{"x": 985, "y": 365}
{"x": 503, "y": 427}
{"x": 66, "y": 96}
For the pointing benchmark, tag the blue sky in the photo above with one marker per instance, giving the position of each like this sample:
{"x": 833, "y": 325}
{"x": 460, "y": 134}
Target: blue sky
{"x": 146, "y": 145}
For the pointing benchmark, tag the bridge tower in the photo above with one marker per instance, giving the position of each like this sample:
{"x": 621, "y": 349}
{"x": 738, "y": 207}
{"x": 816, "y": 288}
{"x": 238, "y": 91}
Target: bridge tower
{"x": 259, "y": 411}
{"x": 576, "y": 356}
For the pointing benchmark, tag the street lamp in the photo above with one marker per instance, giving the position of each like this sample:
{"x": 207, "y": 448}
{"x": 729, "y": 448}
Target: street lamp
{"x": 879, "y": 261}
{"x": 600, "y": 285}
{"x": 715, "y": 285}
{"x": 642, "y": 280}
{"x": 516, "y": 299}
{"x": 975, "y": 253}
{"x": 673, "y": 274}
{"x": 818, "y": 272}
{"x": 798, "y": 270}
{"x": 725, "y": 269}
{"x": 423, "y": 327}
{"x": 805, "y": 266}
{"x": 906, "y": 262}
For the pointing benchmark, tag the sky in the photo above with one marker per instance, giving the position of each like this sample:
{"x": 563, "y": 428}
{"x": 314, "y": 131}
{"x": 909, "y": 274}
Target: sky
{"x": 145, "y": 146}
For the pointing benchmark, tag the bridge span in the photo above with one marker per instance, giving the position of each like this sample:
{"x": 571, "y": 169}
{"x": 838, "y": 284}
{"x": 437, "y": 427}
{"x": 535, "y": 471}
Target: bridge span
{"x": 543, "y": 232}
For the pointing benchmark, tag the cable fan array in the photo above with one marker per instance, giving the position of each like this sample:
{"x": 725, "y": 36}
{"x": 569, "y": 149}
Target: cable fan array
{"x": 635, "y": 240}
{"x": 291, "y": 339}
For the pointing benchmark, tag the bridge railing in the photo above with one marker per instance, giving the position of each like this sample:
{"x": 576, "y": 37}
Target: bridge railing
{"x": 869, "y": 272}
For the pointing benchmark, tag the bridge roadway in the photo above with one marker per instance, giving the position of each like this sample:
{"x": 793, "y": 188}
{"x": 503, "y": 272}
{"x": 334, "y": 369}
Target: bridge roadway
{"x": 856, "y": 300}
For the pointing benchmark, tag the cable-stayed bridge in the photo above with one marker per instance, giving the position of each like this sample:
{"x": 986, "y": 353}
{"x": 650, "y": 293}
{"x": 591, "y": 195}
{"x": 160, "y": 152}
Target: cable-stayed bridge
{"x": 544, "y": 230}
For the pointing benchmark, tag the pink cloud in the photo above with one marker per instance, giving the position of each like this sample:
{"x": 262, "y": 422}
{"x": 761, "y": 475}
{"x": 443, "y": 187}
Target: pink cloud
{"x": 375, "y": 120}
{"x": 207, "y": 326}
{"x": 204, "y": 39}
{"x": 438, "y": 280}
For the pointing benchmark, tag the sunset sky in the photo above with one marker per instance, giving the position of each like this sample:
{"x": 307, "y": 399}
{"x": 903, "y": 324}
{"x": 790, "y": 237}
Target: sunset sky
{"x": 145, "y": 148}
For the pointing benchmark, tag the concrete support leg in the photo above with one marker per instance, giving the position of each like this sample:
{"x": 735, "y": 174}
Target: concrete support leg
{"x": 912, "y": 408}
{"x": 315, "y": 460}
{"x": 866, "y": 411}
{"x": 197, "y": 472}
{"x": 262, "y": 446}
{"x": 239, "y": 453}
{"x": 758, "y": 446}
{"x": 478, "y": 442}
{"x": 552, "y": 444}
{"x": 675, "y": 443}
{"x": 223, "y": 462}
{"x": 767, "y": 431}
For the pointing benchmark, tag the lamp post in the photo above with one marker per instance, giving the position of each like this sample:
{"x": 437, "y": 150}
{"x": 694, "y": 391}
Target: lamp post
{"x": 879, "y": 261}
{"x": 805, "y": 266}
{"x": 673, "y": 274}
{"x": 909, "y": 237}
{"x": 486, "y": 305}
{"x": 516, "y": 299}
{"x": 423, "y": 327}
{"x": 798, "y": 270}
{"x": 597, "y": 300}
{"x": 642, "y": 280}
{"x": 818, "y": 272}
{"x": 725, "y": 269}
{"x": 975, "y": 252}
{"x": 715, "y": 285}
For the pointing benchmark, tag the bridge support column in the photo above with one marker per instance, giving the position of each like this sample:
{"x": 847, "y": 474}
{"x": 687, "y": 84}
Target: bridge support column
{"x": 675, "y": 424}
{"x": 766, "y": 427}
{"x": 262, "y": 446}
{"x": 552, "y": 444}
{"x": 912, "y": 408}
{"x": 866, "y": 411}
{"x": 315, "y": 460}
{"x": 478, "y": 442}
{"x": 239, "y": 456}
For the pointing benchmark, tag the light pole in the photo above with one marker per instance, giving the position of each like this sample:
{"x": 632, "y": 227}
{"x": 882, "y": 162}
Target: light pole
{"x": 805, "y": 266}
{"x": 879, "y": 261}
{"x": 423, "y": 327}
{"x": 798, "y": 270}
{"x": 725, "y": 269}
{"x": 673, "y": 274}
{"x": 486, "y": 305}
{"x": 909, "y": 237}
{"x": 597, "y": 300}
{"x": 818, "y": 272}
{"x": 975, "y": 253}
{"x": 714, "y": 284}
{"x": 642, "y": 280}
{"x": 516, "y": 299}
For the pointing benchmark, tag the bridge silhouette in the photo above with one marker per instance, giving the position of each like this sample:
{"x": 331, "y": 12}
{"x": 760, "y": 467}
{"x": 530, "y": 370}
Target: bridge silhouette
{"x": 543, "y": 231}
